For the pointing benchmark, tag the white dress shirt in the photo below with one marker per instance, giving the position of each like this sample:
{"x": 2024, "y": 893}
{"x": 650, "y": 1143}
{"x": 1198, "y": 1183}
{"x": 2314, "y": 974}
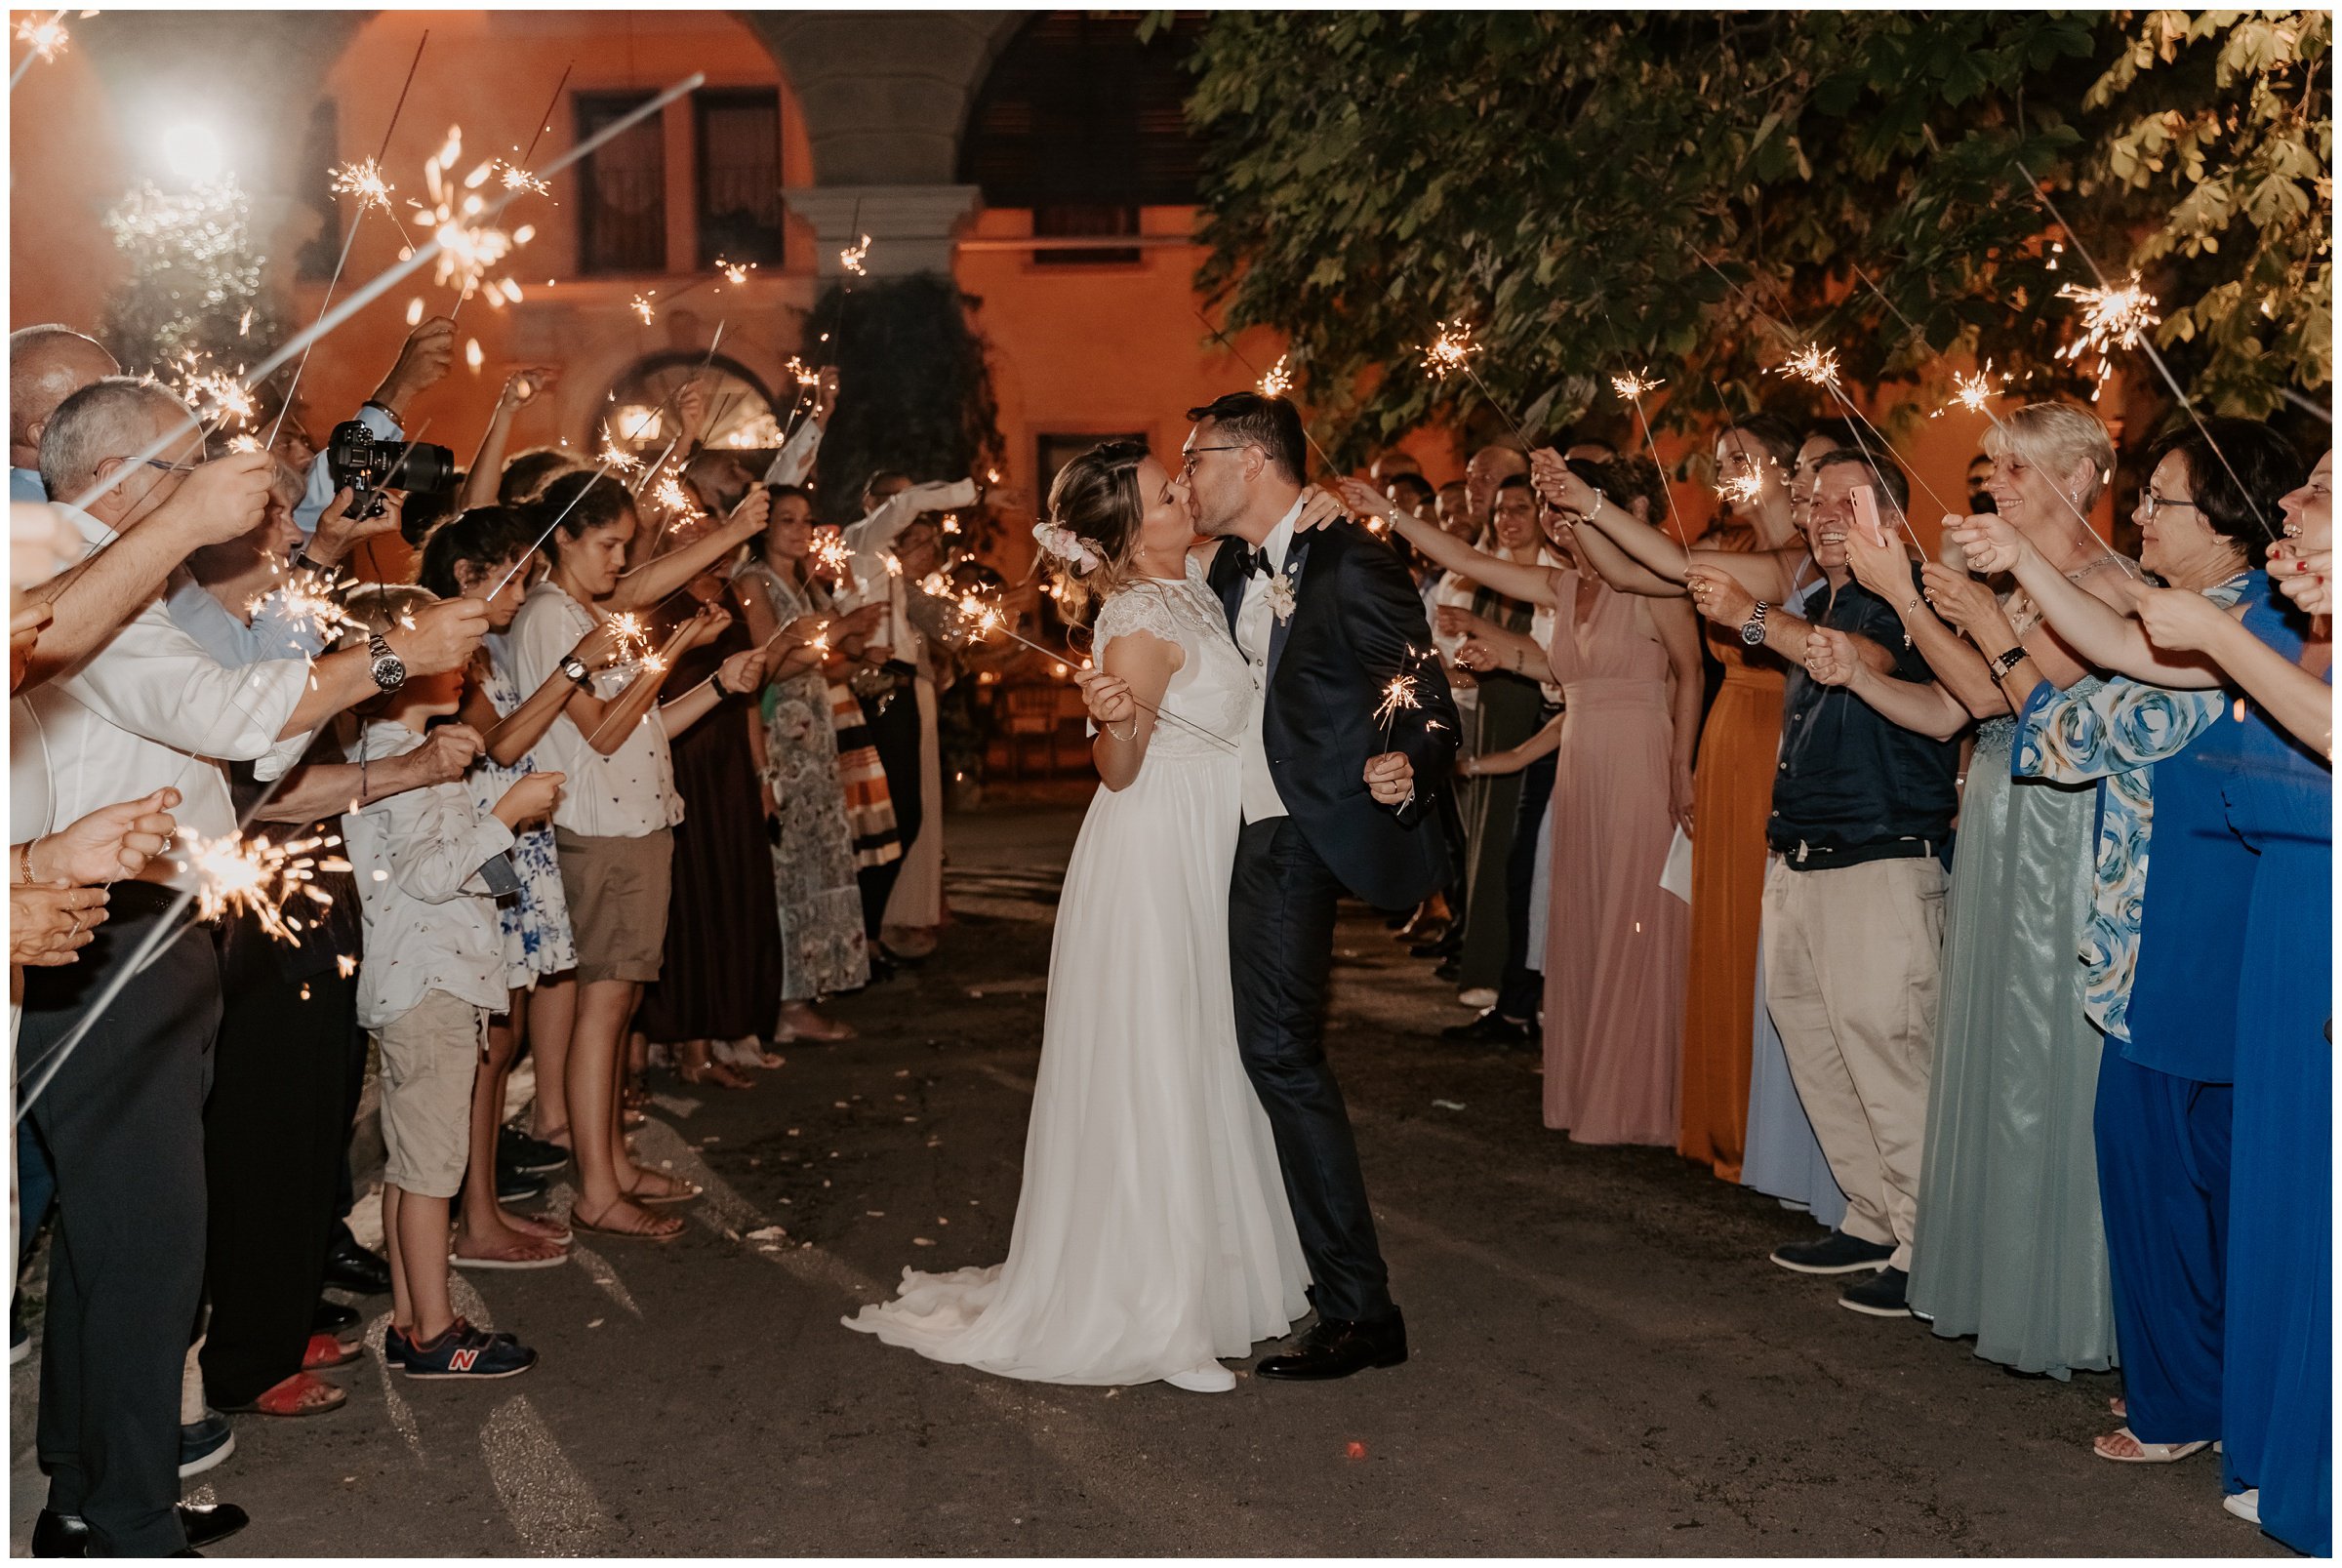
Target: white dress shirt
{"x": 795, "y": 460}
{"x": 150, "y": 710}
{"x": 1455, "y": 590}
{"x": 630, "y": 793}
{"x": 1256, "y": 627}
{"x": 430, "y": 923}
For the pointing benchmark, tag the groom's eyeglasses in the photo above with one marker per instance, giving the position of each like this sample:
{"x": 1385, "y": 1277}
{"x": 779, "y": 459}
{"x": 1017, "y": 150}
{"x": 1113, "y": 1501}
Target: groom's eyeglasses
{"x": 1188, "y": 465}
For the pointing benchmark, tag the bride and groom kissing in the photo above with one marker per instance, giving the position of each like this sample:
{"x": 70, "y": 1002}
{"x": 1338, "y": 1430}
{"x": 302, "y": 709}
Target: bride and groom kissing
{"x": 1191, "y": 1186}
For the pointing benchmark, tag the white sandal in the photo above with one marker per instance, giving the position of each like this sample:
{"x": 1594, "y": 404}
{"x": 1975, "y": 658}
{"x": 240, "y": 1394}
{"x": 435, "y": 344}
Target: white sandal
{"x": 1209, "y": 1378}
{"x": 2149, "y": 1453}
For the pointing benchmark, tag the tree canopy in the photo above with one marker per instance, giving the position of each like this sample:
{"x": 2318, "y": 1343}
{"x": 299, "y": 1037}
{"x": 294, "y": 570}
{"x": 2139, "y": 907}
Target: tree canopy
{"x": 1599, "y": 192}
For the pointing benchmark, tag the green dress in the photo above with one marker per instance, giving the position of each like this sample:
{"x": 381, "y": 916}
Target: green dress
{"x": 2009, "y": 1246}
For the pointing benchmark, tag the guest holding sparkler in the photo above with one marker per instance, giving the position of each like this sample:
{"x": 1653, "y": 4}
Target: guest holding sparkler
{"x": 614, "y": 827}
{"x": 489, "y": 552}
{"x": 2011, "y": 1249}
{"x": 823, "y": 947}
{"x": 434, "y": 971}
{"x": 422, "y": 363}
{"x": 1630, "y": 673}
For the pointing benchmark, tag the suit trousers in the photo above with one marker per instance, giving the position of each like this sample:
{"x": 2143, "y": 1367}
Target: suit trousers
{"x": 122, "y": 1120}
{"x": 1282, "y": 954}
{"x": 1523, "y": 990}
{"x": 2162, "y": 1186}
{"x": 1851, "y": 969}
{"x": 275, "y": 1130}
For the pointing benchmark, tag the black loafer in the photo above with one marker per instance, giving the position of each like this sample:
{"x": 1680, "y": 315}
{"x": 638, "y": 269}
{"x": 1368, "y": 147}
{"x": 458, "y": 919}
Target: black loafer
{"x": 351, "y": 1267}
{"x": 332, "y": 1318}
{"x": 60, "y": 1535}
{"x": 1491, "y": 1028}
{"x": 1336, "y": 1348}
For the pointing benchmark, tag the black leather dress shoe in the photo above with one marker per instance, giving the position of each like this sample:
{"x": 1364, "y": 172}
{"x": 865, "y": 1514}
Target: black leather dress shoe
{"x": 1335, "y": 1347}
{"x": 332, "y": 1318}
{"x": 60, "y": 1535}
{"x": 1491, "y": 1028}
{"x": 351, "y": 1267}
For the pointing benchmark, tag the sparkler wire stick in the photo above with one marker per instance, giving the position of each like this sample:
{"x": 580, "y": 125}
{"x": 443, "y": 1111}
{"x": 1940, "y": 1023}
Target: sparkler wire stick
{"x": 162, "y": 932}
{"x": 349, "y": 242}
{"x": 1227, "y": 344}
{"x": 2153, "y": 353}
{"x": 388, "y": 279}
{"x": 522, "y": 168}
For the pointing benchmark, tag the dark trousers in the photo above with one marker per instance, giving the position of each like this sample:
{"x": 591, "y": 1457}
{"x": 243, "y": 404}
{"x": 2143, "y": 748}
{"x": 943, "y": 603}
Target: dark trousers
{"x": 276, "y": 1134}
{"x": 122, "y": 1120}
{"x": 1457, "y": 891}
{"x": 1523, "y": 987}
{"x": 1282, "y": 948}
{"x": 2162, "y": 1186}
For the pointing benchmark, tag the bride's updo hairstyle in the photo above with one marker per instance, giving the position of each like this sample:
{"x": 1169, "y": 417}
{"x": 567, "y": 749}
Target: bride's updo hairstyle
{"x": 1094, "y": 513}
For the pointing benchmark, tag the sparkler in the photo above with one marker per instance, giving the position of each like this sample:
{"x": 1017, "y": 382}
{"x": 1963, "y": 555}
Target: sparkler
{"x": 633, "y": 637}
{"x": 1451, "y": 351}
{"x": 2143, "y": 340}
{"x": 471, "y": 245}
{"x": 854, "y": 256}
{"x": 309, "y": 595}
{"x": 518, "y": 179}
{"x": 1277, "y": 380}
{"x": 47, "y": 39}
{"x": 1633, "y": 384}
{"x": 216, "y": 396}
{"x": 1973, "y": 391}
{"x": 1630, "y": 387}
{"x": 236, "y": 875}
{"x": 1398, "y": 693}
{"x": 669, "y": 497}
{"x": 738, "y": 271}
{"x": 1742, "y": 489}
{"x": 1815, "y": 364}
{"x": 2112, "y": 318}
{"x": 642, "y": 308}
{"x": 831, "y": 554}
{"x": 364, "y": 180}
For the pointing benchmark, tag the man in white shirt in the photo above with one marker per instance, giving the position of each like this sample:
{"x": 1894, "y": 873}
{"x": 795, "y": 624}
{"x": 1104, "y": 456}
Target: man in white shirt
{"x": 46, "y": 365}
{"x": 122, "y": 1115}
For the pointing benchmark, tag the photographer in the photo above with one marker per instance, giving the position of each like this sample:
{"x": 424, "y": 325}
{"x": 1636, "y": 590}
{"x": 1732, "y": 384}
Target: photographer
{"x": 422, "y": 361}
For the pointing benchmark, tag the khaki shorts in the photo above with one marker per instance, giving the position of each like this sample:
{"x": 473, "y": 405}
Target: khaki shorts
{"x": 617, "y": 890}
{"x": 430, "y": 1055}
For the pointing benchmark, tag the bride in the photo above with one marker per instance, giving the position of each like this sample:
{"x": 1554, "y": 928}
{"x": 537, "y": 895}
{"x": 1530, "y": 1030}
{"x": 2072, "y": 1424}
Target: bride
{"x": 1152, "y": 1234}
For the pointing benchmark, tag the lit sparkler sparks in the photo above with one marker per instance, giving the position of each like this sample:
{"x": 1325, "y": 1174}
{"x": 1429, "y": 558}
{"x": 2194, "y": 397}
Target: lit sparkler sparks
{"x": 1815, "y": 364}
{"x": 365, "y": 182}
{"x": 308, "y": 595}
{"x": 1972, "y": 391}
{"x": 831, "y": 554}
{"x": 469, "y": 245}
{"x": 1632, "y": 385}
{"x": 1742, "y": 489}
{"x": 735, "y": 271}
{"x": 2116, "y": 316}
{"x": 612, "y": 455}
{"x": 669, "y": 497}
{"x": 802, "y": 374}
{"x": 642, "y": 308}
{"x": 892, "y": 562}
{"x": 258, "y": 878}
{"x": 246, "y": 442}
{"x": 1399, "y": 694}
{"x": 1277, "y": 380}
{"x": 855, "y": 257}
{"x": 633, "y": 637}
{"x": 1451, "y": 350}
{"x": 216, "y": 395}
{"x": 47, "y": 35}
{"x": 518, "y": 179}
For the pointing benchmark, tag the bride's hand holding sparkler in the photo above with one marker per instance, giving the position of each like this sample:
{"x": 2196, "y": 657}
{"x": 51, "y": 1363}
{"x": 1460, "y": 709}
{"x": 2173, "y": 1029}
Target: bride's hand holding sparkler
{"x": 1107, "y": 697}
{"x": 532, "y": 796}
{"x": 1990, "y": 544}
{"x": 110, "y": 843}
{"x": 48, "y": 925}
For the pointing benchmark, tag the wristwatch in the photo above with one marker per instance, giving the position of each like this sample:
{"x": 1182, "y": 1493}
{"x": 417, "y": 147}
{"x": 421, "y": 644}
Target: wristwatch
{"x": 574, "y": 668}
{"x": 302, "y": 561}
{"x": 1751, "y": 631}
{"x": 2008, "y": 661}
{"x": 389, "y": 670}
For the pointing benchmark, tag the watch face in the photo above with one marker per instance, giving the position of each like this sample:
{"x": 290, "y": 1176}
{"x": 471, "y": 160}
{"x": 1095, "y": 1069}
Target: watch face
{"x": 1752, "y": 633}
{"x": 390, "y": 672}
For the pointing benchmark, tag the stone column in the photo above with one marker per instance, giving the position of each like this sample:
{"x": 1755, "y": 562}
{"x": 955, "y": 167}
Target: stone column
{"x": 910, "y": 228}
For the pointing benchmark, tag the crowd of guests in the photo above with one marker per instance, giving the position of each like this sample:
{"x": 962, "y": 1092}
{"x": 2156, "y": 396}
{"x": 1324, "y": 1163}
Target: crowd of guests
{"x": 1920, "y": 974}
{"x": 636, "y": 767}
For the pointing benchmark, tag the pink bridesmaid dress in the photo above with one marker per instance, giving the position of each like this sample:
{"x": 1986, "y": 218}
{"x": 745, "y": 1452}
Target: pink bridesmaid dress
{"x": 1615, "y": 941}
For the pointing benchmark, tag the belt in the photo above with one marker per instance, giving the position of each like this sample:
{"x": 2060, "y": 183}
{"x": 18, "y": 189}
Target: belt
{"x": 1804, "y": 856}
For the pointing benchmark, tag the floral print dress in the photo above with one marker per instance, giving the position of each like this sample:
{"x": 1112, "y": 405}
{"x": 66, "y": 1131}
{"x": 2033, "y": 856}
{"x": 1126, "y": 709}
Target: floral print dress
{"x": 534, "y": 921}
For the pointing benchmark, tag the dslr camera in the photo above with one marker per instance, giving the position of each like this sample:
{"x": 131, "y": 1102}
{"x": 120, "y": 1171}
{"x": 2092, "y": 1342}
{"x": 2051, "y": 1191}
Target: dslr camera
{"x": 367, "y": 467}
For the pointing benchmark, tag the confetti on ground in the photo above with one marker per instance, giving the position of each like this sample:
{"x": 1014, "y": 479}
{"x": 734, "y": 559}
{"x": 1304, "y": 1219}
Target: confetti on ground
{"x": 596, "y": 1323}
{"x": 1354, "y": 1450}
{"x": 875, "y": 1214}
{"x": 1449, "y": 1105}
{"x": 770, "y": 1232}
{"x": 921, "y": 1241}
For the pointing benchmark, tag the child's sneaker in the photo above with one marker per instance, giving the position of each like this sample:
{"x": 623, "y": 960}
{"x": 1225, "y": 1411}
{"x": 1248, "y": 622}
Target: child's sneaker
{"x": 465, "y": 1351}
{"x": 396, "y": 1346}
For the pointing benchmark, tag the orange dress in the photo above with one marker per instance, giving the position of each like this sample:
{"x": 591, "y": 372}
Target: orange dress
{"x": 1615, "y": 941}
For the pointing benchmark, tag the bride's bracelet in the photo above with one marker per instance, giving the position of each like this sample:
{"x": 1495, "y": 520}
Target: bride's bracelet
{"x": 1132, "y": 735}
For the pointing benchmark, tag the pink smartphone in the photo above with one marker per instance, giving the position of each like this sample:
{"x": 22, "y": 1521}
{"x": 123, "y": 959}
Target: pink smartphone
{"x": 1866, "y": 512}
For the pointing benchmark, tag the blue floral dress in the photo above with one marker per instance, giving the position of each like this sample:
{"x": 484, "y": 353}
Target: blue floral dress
{"x": 534, "y": 921}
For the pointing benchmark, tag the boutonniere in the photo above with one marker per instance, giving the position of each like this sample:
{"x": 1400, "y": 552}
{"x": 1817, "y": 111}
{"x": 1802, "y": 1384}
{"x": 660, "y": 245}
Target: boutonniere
{"x": 1280, "y": 595}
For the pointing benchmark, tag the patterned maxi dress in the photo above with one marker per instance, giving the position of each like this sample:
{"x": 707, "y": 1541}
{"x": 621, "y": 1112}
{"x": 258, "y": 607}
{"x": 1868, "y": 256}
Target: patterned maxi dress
{"x": 813, "y": 846}
{"x": 536, "y": 922}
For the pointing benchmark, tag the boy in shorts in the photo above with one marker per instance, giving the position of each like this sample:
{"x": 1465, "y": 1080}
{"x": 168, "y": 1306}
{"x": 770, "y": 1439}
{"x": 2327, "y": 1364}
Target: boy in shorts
{"x": 433, "y": 972}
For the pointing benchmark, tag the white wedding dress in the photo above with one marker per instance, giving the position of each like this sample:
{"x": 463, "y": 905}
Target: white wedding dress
{"x": 1153, "y": 1233}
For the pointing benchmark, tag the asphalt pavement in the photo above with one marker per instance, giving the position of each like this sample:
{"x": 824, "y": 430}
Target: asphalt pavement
{"x": 1603, "y": 1359}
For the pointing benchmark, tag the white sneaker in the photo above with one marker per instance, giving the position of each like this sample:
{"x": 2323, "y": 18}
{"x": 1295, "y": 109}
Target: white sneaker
{"x": 1209, "y": 1378}
{"x": 2244, "y": 1504}
{"x": 1480, "y": 998}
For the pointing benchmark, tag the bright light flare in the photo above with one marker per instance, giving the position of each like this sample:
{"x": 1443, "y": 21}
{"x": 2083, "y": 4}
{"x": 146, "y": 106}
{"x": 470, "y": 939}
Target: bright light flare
{"x": 46, "y": 35}
{"x": 1277, "y": 380}
{"x": 1632, "y": 385}
{"x": 1400, "y": 693}
{"x": 257, "y": 878}
{"x": 854, "y": 258}
{"x": 1742, "y": 489}
{"x": 308, "y": 595}
{"x": 1451, "y": 350}
{"x": 1972, "y": 391}
{"x": 643, "y": 310}
{"x": 633, "y": 638}
{"x": 1813, "y": 364}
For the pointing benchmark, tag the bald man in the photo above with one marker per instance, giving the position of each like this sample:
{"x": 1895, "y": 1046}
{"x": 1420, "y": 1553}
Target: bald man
{"x": 46, "y": 365}
{"x": 1489, "y": 467}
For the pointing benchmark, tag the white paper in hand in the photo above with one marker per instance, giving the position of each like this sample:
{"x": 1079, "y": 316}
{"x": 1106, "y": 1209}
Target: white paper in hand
{"x": 1675, "y": 878}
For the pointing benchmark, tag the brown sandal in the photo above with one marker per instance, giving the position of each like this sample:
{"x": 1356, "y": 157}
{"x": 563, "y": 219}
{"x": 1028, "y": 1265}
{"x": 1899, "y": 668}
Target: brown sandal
{"x": 677, "y": 1190}
{"x": 656, "y": 1226}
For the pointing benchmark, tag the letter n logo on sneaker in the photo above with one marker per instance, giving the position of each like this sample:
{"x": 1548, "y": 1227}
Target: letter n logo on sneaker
{"x": 462, "y": 1360}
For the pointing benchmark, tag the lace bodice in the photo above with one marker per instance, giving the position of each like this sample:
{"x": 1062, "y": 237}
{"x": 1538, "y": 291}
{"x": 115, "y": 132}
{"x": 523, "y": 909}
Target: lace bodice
{"x": 1212, "y": 687}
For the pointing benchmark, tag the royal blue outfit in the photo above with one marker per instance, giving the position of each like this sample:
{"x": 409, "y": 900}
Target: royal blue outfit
{"x": 2278, "y": 1393}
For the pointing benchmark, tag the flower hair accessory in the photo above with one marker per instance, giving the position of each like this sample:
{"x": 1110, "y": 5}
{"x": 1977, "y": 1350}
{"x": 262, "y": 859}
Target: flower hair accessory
{"x": 1067, "y": 545}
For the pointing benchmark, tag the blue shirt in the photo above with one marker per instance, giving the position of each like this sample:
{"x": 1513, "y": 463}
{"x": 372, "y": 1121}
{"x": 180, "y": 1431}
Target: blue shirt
{"x": 24, "y": 484}
{"x": 272, "y": 634}
{"x": 319, "y": 494}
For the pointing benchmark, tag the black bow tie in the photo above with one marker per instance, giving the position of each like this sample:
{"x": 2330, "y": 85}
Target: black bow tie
{"x": 1256, "y": 563}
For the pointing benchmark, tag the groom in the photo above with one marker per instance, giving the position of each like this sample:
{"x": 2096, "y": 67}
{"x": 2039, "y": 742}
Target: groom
{"x": 1337, "y": 797}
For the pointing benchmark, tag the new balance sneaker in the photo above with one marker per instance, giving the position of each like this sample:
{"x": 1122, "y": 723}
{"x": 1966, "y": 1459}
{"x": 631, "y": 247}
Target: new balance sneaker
{"x": 395, "y": 1346}
{"x": 535, "y": 1156}
{"x": 204, "y": 1444}
{"x": 1879, "y": 1295}
{"x": 465, "y": 1351}
{"x": 1834, "y": 1254}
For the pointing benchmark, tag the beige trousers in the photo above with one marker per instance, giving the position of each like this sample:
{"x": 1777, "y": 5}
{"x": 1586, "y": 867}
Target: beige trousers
{"x": 1851, "y": 963}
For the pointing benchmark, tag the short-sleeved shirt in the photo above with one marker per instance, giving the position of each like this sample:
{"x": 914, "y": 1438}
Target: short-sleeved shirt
{"x": 1851, "y": 781}
{"x": 628, "y": 793}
